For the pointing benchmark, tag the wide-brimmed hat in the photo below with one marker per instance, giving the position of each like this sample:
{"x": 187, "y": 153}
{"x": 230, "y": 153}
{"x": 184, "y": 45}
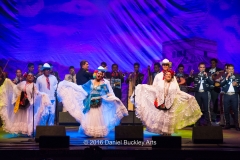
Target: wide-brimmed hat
{"x": 100, "y": 68}
{"x": 166, "y": 61}
{"x": 46, "y": 66}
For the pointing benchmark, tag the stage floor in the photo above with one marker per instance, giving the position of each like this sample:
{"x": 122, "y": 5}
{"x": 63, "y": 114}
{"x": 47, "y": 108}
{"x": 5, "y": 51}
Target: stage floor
{"x": 11, "y": 142}
{"x": 77, "y": 141}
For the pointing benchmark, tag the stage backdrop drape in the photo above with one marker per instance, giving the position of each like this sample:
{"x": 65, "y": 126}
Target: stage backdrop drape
{"x": 64, "y": 32}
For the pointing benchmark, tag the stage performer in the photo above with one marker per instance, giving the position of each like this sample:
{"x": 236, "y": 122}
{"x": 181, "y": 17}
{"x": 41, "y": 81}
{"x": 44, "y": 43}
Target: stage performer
{"x": 160, "y": 77}
{"x": 47, "y": 83}
{"x": 116, "y": 80}
{"x": 230, "y": 87}
{"x": 83, "y": 74}
{"x": 202, "y": 83}
{"x": 71, "y": 77}
{"x": 93, "y": 104}
{"x": 19, "y": 77}
{"x": 133, "y": 80}
{"x": 16, "y": 107}
{"x": 215, "y": 89}
{"x": 152, "y": 75}
{"x": 164, "y": 108}
{"x": 39, "y": 73}
{"x": 182, "y": 78}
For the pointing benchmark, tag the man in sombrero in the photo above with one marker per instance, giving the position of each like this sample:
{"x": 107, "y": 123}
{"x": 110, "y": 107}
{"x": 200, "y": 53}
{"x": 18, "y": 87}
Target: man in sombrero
{"x": 47, "y": 83}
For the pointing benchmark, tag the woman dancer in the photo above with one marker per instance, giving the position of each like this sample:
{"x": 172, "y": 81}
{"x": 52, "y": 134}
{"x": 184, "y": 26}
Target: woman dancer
{"x": 164, "y": 108}
{"x": 93, "y": 104}
{"x": 16, "y": 107}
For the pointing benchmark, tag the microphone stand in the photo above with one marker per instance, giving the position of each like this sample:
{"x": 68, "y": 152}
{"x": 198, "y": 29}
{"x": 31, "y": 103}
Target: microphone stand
{"x": 134, "y": 105}
{"x": 56, "y": 111}
{"x": 33, "y": 136}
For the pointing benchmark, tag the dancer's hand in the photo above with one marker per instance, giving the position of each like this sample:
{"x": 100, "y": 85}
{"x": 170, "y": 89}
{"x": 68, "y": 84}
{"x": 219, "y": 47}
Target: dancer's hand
{"x": 109, "y": 94}
{"x": 234, "y": 83}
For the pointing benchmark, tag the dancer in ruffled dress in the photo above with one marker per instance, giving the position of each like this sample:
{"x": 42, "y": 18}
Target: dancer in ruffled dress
{"x": 16, "y": 107}
{"x": 93, "y": 104}
{"x": 163, "y": 108}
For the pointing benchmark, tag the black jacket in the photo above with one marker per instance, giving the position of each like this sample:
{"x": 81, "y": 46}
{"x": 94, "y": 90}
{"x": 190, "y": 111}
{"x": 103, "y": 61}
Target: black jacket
{"x": 139, "y": 78}
{"x": 208, "y": 69}
{"x": 83, "y": 76}
{"x": 196, "y": 79}
{"x": 216, "y": 89}
{"x": 225, "y": 83}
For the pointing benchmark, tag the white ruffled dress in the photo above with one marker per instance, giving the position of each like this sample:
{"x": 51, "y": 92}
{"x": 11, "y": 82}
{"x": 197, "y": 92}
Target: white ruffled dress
{"x": 22, "y": 120}
{"x": 96, "y": 122}
{"x": 183, "y": 108}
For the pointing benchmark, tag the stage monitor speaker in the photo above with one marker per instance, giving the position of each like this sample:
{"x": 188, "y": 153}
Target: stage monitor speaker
{"x": 167, "y": 142}
{"x": 207, "y": 135}
{"x": 129, "y": 119}
{"x": 54, "y": 141}
{"x": 49, "y": 131}
{"x": 129, "y": 133}
{"x": 66, "y": 119}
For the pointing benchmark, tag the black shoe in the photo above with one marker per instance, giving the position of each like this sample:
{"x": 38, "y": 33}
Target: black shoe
{"x": 227, "y": 126}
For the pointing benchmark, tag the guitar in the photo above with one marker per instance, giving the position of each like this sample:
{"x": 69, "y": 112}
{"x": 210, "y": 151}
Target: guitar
{"x": 216, "y": 77}
{"x": 180, "y": 79}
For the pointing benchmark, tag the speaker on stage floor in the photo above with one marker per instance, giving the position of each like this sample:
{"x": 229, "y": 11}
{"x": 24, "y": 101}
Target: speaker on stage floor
{"x": 129, "y": 133}
{"x": 66, "y": 119}
{"x": 54, "y": 141}
{"x": 49, "y": 131}
{"x": 131, "y": 119}
{"x": 167, "y": 142}
{"x": 207, "y": 135}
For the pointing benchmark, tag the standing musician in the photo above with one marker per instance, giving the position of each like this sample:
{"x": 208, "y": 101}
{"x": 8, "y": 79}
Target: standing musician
{"x": 182, "y": 78}
{"x": 133, "y": 80}
{"x": 106, "y": 74}
{"x": 230, "y": 87}
{"x": 30, "y": 70}
{"x": 19, "y": 78}
{"x": 215, "y": 90}
{"x": 71, "y": 77}
{"x": 202, "y": 84}
{"x": 3, "y": 76}
{"x": 152, "y": 75}
{"x": 116, "y": 80}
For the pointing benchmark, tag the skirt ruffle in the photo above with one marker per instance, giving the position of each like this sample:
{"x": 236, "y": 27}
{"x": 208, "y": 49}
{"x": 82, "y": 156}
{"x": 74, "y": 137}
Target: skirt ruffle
{"x": 185, "y": 111}
{"x": 97, "y": 122}
{"x": 22, "y": 121}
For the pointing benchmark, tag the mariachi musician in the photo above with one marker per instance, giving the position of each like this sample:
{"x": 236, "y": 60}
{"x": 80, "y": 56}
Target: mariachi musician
{"x": 215, "y": 90}
{"x": 116, "y": 80}
{"x": 182, "y": 78}
{"x": 151, "y": 75}
{"x": 3, "y": 76}
{"x": 230, "y": 87}
{"x": 133, "y": 80}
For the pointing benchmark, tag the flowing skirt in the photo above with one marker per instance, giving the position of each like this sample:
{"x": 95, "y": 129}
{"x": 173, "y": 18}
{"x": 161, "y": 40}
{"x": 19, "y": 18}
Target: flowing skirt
{"x": 97, "y": 122}
{"x": 185, "y": 111}
{"x": 22, "y": 121}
